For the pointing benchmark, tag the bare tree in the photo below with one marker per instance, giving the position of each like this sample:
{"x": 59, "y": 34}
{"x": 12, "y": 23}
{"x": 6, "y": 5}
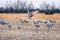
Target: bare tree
{"x": 21, "y": 4}
{"x": 8, "y": 5}
{"x": 47, "y": 8}
{"x": 15, "y": 5}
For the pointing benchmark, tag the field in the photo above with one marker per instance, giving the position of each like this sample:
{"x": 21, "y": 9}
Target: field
{"x": 27, "y": 31}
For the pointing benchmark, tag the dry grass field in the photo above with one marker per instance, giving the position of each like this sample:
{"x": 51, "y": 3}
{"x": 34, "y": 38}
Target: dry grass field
{"x": 37, "y": 16}
{"x": 27, "y": 31}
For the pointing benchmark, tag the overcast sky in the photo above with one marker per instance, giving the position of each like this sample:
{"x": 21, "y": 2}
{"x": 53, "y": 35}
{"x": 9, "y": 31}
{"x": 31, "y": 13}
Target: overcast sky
{"x": 36, "y": 3}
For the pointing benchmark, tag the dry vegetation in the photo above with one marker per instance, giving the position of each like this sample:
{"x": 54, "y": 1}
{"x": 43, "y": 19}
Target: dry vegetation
{"x": 37, "y": 16}
{"x": 27, "y": 30}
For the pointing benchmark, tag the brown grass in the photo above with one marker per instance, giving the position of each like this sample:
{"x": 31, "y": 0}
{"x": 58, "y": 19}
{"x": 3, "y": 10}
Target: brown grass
{"x": 27, "y": 31}
{"x": 37, "y": 16}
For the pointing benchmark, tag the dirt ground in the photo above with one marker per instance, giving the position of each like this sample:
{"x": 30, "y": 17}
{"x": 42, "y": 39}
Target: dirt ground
{"x": 27, "y": 31}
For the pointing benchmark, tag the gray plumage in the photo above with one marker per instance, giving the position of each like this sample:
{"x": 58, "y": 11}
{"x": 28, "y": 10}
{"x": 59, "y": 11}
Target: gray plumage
{"x": 3, "y": 22}
{"x": 39, "y": 21}
{"x": 24, "y": 21}
{"x": 36, "y": 25}
{"x": 18, "y": 27}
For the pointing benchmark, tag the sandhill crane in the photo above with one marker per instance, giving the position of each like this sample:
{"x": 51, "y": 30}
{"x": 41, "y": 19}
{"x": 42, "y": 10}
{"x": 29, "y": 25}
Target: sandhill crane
{"x": 40, "y": 21}
{"x": 34, "y": 22}
{"x": 21, "y": 20}
{"x": 18, "y": 27}
{"x": 9, "y": 25}
{"x": 47, "y": 21}
{"x": 24, "y": 21}
{"x": 35, "y": 12}
{"x": 3, "y": 22}
{"x": 31, "y": 14}
{"x": 53, "y": 22}
{"x": 48, "y": 24}
{"x": 36, "y": 27}
{"x": 37, "y": 21}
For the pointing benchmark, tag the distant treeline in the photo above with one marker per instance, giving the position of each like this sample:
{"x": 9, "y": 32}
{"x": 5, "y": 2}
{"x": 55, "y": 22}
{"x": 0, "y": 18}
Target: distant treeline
{"x": 54, "y": 11}
{"x": 11, "y": 10}
{"x": 24, "y": 7}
